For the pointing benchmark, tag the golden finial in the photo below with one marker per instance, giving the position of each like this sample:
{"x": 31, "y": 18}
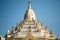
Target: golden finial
{"x": 29, "y": 4}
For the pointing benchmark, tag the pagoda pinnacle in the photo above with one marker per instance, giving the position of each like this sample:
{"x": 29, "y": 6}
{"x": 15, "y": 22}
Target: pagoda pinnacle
{"x": 29, "y": 14}
{"x": 29, "y": 4}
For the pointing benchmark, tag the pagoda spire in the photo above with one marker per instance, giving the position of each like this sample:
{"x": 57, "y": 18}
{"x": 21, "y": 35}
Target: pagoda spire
{"x": 29, "y": 4}
{"x": 29, "y": 14}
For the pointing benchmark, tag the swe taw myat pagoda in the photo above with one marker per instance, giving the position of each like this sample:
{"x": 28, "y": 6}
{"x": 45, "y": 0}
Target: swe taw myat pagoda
{"x": 29, "y": 28}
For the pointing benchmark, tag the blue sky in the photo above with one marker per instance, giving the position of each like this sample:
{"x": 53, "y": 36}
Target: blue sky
{"x": 46, "y": 11}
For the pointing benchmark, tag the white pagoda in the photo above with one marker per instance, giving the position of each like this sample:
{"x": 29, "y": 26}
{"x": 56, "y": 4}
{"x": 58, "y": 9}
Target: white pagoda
{"x": 29, "y": 28}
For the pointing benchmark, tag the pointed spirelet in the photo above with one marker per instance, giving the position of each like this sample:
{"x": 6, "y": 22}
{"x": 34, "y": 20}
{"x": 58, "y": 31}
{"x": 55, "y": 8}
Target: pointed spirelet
{"x": 13, "y": 30}
{"x": 51, "y": 33}
{"x": 46, "y": 29}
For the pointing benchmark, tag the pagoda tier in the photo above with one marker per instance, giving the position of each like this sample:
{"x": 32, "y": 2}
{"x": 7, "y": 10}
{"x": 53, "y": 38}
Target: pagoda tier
{"x": 23, "y": 28}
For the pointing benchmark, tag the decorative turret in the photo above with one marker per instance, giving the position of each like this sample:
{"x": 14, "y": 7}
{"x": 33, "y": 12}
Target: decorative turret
{"x": 7, "y": 34}
{"x": 19, "y": 30}
{"x": 42, "y": 26}
{"x": 38, "y": 22}
{"x": 51, "y": 33}
{"x": 46, "y": 29}
{"x": 38, "y": 29}
{"x": 21, "y": 24}
{"x": 13, "y": 30}
{"x": 29, "y": 15}
{"x": 16, "y": 28}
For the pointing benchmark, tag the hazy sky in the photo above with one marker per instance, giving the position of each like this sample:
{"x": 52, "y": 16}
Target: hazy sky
{"x": 46, "y": 11}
